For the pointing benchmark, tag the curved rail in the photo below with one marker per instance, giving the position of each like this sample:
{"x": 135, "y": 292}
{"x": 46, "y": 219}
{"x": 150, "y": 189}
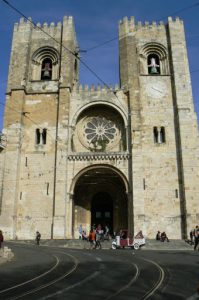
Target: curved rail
{"x": 157, "y": 284}
{"x": 127, "y": 285}
{"x": 50, "y": 282}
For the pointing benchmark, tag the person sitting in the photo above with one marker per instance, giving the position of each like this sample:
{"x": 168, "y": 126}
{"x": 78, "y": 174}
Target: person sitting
{"x": 123, "y": 234}
{"x": 164, "y": 237}
{"x": 139, "y": 235}
{"x": 158, "y": 236}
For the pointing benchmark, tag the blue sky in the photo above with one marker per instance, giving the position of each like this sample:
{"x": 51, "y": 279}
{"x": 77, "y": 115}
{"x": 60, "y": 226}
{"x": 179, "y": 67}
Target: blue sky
{"x": 96, "y": 21}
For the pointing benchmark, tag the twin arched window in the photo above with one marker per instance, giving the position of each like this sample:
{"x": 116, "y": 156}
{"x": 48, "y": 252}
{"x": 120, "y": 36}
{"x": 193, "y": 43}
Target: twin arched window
{"x": 159, "y": 135}
{"x": 40, "y": 136}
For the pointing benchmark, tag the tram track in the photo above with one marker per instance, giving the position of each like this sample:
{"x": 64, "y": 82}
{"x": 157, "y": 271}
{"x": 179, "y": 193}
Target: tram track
{"x": 14, "y": 288}
{"x": 133, "y": 280}
{"x": 157, "y": 284}
{"x": 140, "y": 275}
{"x": 106, "y": 274}
{"x": 31, "y": 280}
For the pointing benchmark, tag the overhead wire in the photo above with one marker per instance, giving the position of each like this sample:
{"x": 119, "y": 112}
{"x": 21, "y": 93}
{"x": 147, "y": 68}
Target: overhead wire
{"x": 75, "y": 54}
{"x": 158, "y": 20}
{"x": 85, "y": 65}
{"x": 24, "y": 114}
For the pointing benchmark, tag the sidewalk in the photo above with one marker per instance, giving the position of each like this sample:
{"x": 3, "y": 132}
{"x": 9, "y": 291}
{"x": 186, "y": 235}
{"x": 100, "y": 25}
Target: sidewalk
{"x": 174, "y": 245}
{"x": 177, "y": 245}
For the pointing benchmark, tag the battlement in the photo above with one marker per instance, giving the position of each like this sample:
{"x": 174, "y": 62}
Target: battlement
{"x": 127, "y": 26}
{"x": 98, "y": 88}
{"x": 27, "y": 24}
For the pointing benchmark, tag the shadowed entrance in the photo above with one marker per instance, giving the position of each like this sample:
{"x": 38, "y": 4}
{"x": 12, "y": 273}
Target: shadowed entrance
{"x": 100, "y": 198}
{"x": 102, "y": 210}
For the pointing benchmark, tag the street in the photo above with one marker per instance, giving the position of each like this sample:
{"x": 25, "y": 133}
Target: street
{"x": 40, "y": 272}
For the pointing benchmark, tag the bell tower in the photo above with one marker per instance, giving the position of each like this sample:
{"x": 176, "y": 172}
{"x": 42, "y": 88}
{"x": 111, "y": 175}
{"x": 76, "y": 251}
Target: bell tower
{"x": 42, "y": 73}
{"x": 154, "y": 73}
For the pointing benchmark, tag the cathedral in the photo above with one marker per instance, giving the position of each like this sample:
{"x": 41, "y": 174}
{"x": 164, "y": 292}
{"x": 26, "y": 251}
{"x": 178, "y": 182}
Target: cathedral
{"x": 124, "y": 156}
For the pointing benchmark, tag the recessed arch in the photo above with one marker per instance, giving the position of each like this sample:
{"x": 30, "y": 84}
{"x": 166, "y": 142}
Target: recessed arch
{"x": 99, "y": 197}
{"x": 101, "y": 166}
{"x": 159, "y": 52}
{"x": 41, "y": 55}
{"x": 99, "y": 128}
{"x": 154, "y": 47}
{"x": 97, "y": 103}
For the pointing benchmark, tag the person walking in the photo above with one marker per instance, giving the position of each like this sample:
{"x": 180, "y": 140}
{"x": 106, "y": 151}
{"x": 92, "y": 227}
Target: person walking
{"x": 1, "y": 238}
{"x": 91, "y": 239}
{"x": 196, "y": 237}
{"x": 38, "y": 237}
{"x": 80, "y": 231}
{"x": 97, "y": 240}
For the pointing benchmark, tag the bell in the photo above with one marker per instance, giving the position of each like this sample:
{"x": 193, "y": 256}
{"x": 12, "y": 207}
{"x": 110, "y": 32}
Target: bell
{"x": 154, "y": 70}
{"x": 46, "y": 74}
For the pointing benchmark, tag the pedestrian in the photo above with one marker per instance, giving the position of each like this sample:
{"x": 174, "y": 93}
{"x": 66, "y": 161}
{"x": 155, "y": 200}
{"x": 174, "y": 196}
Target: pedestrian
{"x": 97, "y": 240}
{"x": 1, "y": 238}
{"x": 91, "y": 238}
{"x": 80, "y": 231}
{"x": 84, "y": 237}
{"x": 38, "y": 237}
{"x": 192, "y": 234}
{"x": 107, "y": 232}
{"x": 196, "y": 237}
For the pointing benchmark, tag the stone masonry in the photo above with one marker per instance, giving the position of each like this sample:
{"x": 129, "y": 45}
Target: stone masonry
{"x": 126, "y": 155}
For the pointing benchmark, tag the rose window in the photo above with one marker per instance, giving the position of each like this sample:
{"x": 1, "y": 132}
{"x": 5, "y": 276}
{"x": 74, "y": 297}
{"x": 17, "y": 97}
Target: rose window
{"x": 100, "y": 130}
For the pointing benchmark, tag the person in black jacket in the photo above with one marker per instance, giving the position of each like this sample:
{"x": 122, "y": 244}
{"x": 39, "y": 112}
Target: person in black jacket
{"x": 1, "y": 238}
{"x": 38, "y": 237}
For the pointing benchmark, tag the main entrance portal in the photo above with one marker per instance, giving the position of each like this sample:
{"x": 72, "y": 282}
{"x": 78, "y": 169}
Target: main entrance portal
{"x": 102, "y": 210}
{"x": 100, "y": 198}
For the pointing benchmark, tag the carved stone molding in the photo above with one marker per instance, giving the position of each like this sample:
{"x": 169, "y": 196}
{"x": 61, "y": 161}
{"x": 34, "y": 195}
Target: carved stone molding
{"x": 98, "y": 156}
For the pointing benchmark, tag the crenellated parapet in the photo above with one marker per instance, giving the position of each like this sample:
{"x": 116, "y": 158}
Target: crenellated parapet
{"x": 27, "y": 23}
{"x": 40, "y": 43}
{"x": 105, "y": 88}
{"x": 128, "y": 26}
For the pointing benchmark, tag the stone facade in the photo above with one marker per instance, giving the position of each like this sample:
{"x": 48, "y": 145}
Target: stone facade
{"x": 126, "y": 156}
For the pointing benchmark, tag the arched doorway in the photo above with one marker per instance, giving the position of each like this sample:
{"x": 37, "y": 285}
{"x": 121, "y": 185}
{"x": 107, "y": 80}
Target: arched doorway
{"x": 102, "y": 210}
{"x": 100, "y": 197}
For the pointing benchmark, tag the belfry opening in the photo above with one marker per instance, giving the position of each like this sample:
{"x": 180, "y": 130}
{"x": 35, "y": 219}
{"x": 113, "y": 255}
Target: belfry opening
{"x": 100, "y": 197}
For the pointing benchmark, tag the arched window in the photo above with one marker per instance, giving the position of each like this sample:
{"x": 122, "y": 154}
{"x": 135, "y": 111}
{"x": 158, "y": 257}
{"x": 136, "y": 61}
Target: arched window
{"x": 155, "y": 135}
{"x": 37, "y": 136}
{"x": 153, "y": 59}
{"x": 46, "y": 69}
{"x": 162, "y": 135}
{"x": 159, "y": 135}
{"x": 153, "y": 64}
{"x": 40, "y": 136}
{"x": 45, "y": 64}
{"x": 44, "y": 135}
